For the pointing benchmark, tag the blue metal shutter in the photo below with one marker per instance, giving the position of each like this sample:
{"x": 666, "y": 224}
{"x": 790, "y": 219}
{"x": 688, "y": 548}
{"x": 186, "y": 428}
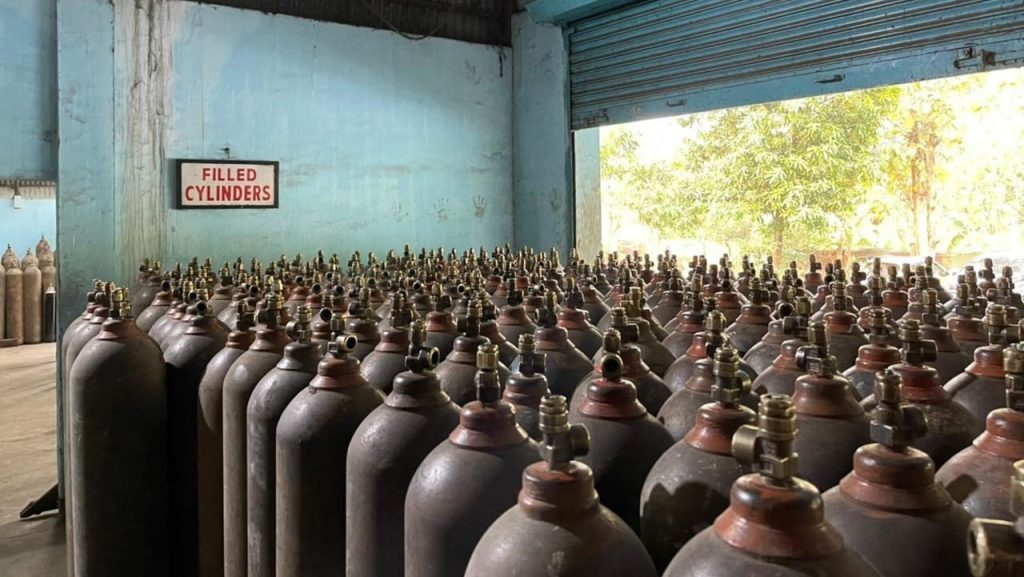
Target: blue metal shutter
{"x": 668, "y": 57}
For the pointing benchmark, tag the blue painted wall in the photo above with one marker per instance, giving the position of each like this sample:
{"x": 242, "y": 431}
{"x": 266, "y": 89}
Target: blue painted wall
{"x": 28, "y": 89}
{"x": 22, "y": 227}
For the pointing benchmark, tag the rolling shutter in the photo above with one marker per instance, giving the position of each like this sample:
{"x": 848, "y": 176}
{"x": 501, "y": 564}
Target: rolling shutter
{"x": 668, "y": 57}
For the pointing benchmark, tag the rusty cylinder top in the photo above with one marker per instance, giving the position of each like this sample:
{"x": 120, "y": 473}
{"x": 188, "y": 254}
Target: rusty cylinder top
{"x": 821, "y": 392}
{"x": 418, "y": 387}
{"x": 489, "y": 422}
{"x": 611, "y": 397}
{"x": 338, "y": 369}
{"x": 528, "y": 384}
{"x": 1004, "y": 428}
{"x": 717, "y": 422}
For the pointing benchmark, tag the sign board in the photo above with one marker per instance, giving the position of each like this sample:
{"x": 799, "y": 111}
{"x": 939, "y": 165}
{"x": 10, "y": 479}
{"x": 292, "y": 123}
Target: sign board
{"x": 227, "y": 184}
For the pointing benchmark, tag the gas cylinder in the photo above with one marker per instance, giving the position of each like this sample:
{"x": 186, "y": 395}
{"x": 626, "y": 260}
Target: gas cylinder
{"x": 558, "y": 526}
{"x": 565, "y": 365}
{"x": 457, "y": 372}
{"x": 3, "y": 307}
{"x": 780, "y": 377}
{"x": 573, "y": 319}
{"x": 186, "y": 360}
{"x": 312, "y": 438}
{"x": 148, "y": 287}
{"x": 889, "y": 509}
{"x": 210, "y": 444}
{"x": 241, "y": 379}
{"x": 681, "y": 370}
{"x": 949, "y": 360}
{"x": 687, "y": 323}
{"x": 32, "y": 289}
{"x": 833, "y": 423}
{"x": 89, "y": 329}
{"x": 968, "y": 330}
{"x": 976, "y": 476}
{"x": 813, "y": 279}
{"x": 489, "y": 328}
{"x": 468, "y": 481}
{"x": 117, "y": 410}
{"x": 995, "y": 547}
{"x": 875, "y": 356}
{"x": 728, "y": 300}
{"x": 980, "y": 388}
{"x": 688, "y": 487}
{"x": 14, "y": 301}
{"x": 297, "y": 297}
{"x": 780, "y": 330}
{"x": 845, "y": 336}
{"x": 671, "y": 300}
{"x": 175, "y": 312}
{"x": 873, "y": 302}
{"x": 775, "y": 523}
{"x": 388, "y": 357}
{"x": 752, "y": 323}
{"x": 527, "y": 386}
{"x": 512, "y": 320}
{"x": 951, "y": 427}
{"x": 222, "y": 293}
{"x": 893, "y": 298}
{"x": 361, "y": 324}
{"x": 651, "y": 333}
{"x": 626, "y": 441}
{"x": 384, "y": 454}
{"x": 157, "y": 308}
{"x": 268, "y": 402}
{"x": 651, "y": 391}
{"x": 174, "y": 330}
{"x": 442, "y": 329}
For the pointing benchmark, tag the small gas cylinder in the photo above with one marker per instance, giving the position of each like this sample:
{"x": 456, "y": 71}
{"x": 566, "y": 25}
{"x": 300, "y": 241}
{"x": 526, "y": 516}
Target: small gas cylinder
{"x": 468, "y": 481}
{"x": 951, "y": 427}
{"x": 565, "y": 366}
{"x": 775, "y": 524}
{"x": 827, "y": 413}
{"x": 752, "y": 323}
{"x": 626, "y": 440}
{"x": 875, "y": 356}
{"x": 527, "y": 386}
{"x": 384, "y": 454}
{"x": 688, "y": 487}
{"x": 32, "y": 289}
{"x": 558, "y": 526}
{"x": 889, "y": 509}
{"x": 243, "y": 376}
{"x": 268, "y": 402}
{"x": 312, "y": 439}
{"x": 976, "y": 476}
{"x": 457, "y": 372}
{"x": 118, "y": 411}
{"x": 980, "y": 388}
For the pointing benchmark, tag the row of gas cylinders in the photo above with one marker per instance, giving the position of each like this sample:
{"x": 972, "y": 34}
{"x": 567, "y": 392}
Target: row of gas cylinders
{"x": 28, "y": 296}
{"x": 382, "y": 423}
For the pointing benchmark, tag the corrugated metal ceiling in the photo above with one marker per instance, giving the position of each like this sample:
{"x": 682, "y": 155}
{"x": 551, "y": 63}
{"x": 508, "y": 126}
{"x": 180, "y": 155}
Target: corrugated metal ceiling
{"x": 480, "y": 21}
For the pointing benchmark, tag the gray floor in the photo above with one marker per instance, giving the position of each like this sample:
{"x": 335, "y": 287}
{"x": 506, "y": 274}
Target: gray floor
{"x": 32, "y": 547}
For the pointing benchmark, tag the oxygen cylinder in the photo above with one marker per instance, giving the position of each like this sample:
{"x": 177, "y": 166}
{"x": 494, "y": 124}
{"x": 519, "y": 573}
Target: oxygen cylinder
{"x": 32, "y": 279}
{"x": 14, "y": 302}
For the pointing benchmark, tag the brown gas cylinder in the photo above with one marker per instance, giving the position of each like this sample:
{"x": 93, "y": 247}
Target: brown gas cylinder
{"x": 874, "y": 302}
{"x": 651, "y": 391}
{"x": 780, "y": 377}
{"x": 565, "y": 365}
{"x": 967, "y": 328}
{"x": 827, "y": 413}
{"x": 222, "y": 293}
{"x": 388, "y": 357}
{"x": 951, "y": 427}
{"x": 976, "y": 476}
{"x": 241, "y": 379}
{"x": 210, "y": 444}
{"x": 893, "y": 298}
{"x": 813, "y": 279}
{"x": 118, "y": 433}
{"x": 752, "y": 323}
{"x": 996, "y": 547}
{"x": 174, "y": 314}
{"x": 573, "y": 318}
{"x": 626, "y": 441}
{"x": 875, "y": 356}
{"x": 980, "y": 388}
{"x": 457, "y": 372}
{"x": 32, "y": 289}
{"x": 672, "y": 300}
{"x": 949, "y": 360}
{"x": 796, "y": 310}
{"x": 148, "y": 287}
{"x": 174, "y": 330}
{"x": 312, "y": 439}
{"x": 361, "y": 324}
{"x": 186, "y": 360}
{"x": 682, "y": 369}
{"x": 385, "y": 451}
{"x": 845, "y": 336}
{"x": 268, "y": 402}
{"x": 558, "y": 526}
{"x": 688, "y": 487}
{"x": 489, "y": 328}
{"x": 527, "y": 386}
{"x": 468, "y": 481}
{"x": 728, "y": 300}
{"x": 14, "y": 301}
{"x": 512, "y": 320}
{"x": 297, "y": 297}
{"x": 442, "y": 328}
{"x": 775, "y": 524}
{"x": 89, "y": 329}
{"x": 157, "y": 308}
{"x": 687, "y": 323}
{"x": 889, "y": 509}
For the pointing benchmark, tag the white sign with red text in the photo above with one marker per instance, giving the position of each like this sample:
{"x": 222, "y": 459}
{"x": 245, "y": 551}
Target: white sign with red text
{"x": 227, "y": 184}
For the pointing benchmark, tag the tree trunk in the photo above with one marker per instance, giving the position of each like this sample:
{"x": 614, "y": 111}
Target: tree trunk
{"x": 779, "y": 224}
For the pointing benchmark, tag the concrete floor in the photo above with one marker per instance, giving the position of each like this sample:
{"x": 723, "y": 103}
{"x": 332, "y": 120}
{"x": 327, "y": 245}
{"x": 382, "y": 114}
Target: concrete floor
{"x": 28, "y": 462}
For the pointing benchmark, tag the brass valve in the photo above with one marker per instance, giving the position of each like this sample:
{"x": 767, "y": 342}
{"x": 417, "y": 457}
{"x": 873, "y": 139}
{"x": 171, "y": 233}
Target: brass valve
{"x": 1013, "y": 366}
{"x": 995, "y": 324}
{"x": 892, "y": 424}
{"x": 530, "y": 361}
{"x": 488, "y": 389}
{"x": 768, "y": 447}
{"x": 730, "y": 383}
{"x": 470, "y": 324}
{"x": 420, "y": 358}
{"x": 878, "y": 327}
{"x": 815, "y": 358}
{"x": 298, "y": 329}
{"x": 341, "y": 345}
{"x": 561, "y": 441}
{"x": 995, "y": 547}
{"x": 916, "y": 350}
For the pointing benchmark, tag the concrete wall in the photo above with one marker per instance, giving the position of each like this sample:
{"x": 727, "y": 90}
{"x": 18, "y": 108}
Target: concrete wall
{"x": 22, "y": 227}
{"x": 28, "y": 90}
{"x": 381, "y": 140}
